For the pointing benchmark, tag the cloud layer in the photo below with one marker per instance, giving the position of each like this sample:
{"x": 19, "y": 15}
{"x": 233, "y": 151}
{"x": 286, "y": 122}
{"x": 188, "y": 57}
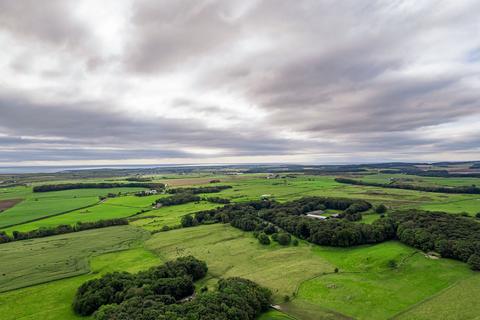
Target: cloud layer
{"x": 236, "y": 81}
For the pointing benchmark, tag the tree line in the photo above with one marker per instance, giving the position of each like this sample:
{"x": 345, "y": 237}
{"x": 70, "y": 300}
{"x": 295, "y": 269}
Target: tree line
{"x": 176, "y": 199}
{"x": 102, "y": 185}
{"x": 166, "y": 292}
{"x": 60, "y": 229}
{"x": 441, "y": 189}
{"x": 198, "y": 190}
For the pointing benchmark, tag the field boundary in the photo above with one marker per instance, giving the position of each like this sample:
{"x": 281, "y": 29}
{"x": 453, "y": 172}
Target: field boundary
{"x": 53, "y": 215}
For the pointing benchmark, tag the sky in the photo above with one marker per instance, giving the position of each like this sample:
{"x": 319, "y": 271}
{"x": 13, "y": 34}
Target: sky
{"x": 190, "y": 81}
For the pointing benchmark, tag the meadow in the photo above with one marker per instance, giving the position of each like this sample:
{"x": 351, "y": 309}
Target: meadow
{"x": 38, "y": 277}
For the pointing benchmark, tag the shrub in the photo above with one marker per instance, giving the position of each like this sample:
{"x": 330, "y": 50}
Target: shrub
{"x": 263, "y": 239}
{"x": 284, "y": 239}
{"x": 381, "y": 209}
{"x": 474, "y": 262}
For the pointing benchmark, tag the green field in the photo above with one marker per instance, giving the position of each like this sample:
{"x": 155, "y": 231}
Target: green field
{"x": 45, "y": 204}
{"x": 29, "y": 262}
{"x": 169, "y": 216}
{"x": 38, "y": 277}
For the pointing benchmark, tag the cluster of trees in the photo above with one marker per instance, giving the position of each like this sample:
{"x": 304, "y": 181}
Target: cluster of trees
{"x": 178, "y": 198}
{"x": 61, "y": 229}
{"x": 451, "y": 236}
{"x": 166, "y": 292}
{"x": 198, "y": 190}
{"x": 235, "y": 299}
{"x": 103, "y": 185}
{"x": 442, "y": 189}
{"x": 331, "y": 232}
{"x": 270, "y": 217}
{"x": 171, "y": 281}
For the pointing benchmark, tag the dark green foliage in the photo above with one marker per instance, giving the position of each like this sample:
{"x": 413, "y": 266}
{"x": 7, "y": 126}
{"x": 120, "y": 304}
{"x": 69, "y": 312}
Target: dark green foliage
{"x": 104, "y": 185}
{"x": 218, "y": 200}
{"x": 198, "y": 190}
{"x": 474, "y": 262}
{"x": 381, "y": 209}
{"x": 336, "y": 270}
{"x": 166, "y": 284}
{"x": 4, "y": 237}
{"x": 235, "y": 299}
{"x": 263, "y": 239}
{"x": 477, "y": 215}
{"x": 188, "y": 221}
{"x": 295, "y": 242}
{"x": 452, "y": 236}
{"x": 284, "y": 239}
{"x": 179, "y": 198}
{"x": 442, "y": 189}
{"x": 291, "y": 217}
{"x": 62, "y": 229}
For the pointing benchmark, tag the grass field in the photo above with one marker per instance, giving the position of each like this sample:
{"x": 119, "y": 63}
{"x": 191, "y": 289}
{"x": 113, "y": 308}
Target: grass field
{"x": 52, "y": 301}
{"x": 29, "y": 262}
{"x": 169, "y": 216}
{"x": 41, "y": 205}
{"x": 457, "y": 302}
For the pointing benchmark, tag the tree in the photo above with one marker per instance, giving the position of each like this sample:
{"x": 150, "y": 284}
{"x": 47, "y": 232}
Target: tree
{"x": 295, "y": 242}
{"x": 477, "y": 215}
{"x": 381, "y": 209}
{"x": 188, "y": 221}
{"x": 284, "y": 239}
{"x": 263, "y": 239}
{"x": 474, "y": 262}
{"x": 336, "y": 270}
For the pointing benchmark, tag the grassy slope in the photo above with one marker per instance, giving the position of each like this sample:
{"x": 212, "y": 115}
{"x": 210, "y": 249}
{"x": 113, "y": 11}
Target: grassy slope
{"x": 29, "y": 262}
{"x": 366, "y": 288}
{"x": 458, "y": 302}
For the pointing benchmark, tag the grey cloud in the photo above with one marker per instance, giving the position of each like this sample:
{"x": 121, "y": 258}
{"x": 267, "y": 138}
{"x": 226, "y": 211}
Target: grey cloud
{"x": 51, "y": 22}
{"x": 170, "y": 33}
{"x": 90, "y": 125}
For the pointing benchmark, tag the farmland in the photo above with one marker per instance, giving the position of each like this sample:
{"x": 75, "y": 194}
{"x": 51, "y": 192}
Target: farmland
{"x": 307, "y": 281}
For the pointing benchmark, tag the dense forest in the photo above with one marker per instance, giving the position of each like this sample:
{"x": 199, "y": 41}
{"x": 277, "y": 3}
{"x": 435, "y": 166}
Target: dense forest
{"x": 271, "y": 217}
{"x": 103, "y": 185}
{"x": 451, "y": 236}
{"x": 441, "y": 189}
{"x": 167, "y": 292}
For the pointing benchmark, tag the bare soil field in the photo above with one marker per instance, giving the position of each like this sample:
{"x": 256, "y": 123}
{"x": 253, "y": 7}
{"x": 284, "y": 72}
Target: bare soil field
{"x": 7, "y": 204}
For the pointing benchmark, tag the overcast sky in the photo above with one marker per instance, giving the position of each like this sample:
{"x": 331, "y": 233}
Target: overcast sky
{"x": 152, "y": 82}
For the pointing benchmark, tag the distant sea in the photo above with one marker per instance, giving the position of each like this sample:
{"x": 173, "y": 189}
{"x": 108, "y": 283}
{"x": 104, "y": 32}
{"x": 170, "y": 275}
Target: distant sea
{"x": 52, "y": 169}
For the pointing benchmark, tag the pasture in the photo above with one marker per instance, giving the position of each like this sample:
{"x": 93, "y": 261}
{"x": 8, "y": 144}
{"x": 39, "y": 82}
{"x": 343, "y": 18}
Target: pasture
{"x": 29, "y": 262}
{"x": 38, "y": 277}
